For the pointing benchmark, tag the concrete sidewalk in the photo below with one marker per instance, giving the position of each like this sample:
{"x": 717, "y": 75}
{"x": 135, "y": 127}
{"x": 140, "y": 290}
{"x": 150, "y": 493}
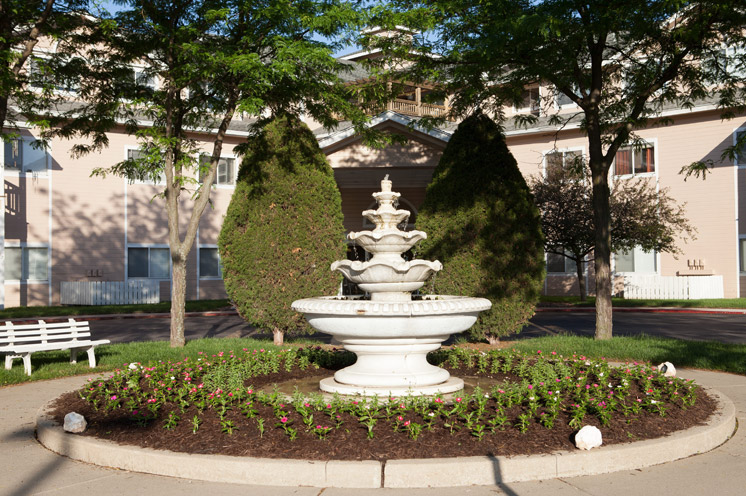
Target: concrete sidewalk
{"x": 28, "y": 468}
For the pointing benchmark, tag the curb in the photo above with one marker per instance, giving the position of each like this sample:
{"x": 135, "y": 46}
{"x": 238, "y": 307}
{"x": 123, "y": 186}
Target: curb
{"x": 715, "y": 311}
{"x": 416, "y": 473}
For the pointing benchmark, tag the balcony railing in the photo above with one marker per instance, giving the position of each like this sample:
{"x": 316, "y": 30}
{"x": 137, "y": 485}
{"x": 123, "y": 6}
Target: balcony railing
{"x": 409, "y": 107}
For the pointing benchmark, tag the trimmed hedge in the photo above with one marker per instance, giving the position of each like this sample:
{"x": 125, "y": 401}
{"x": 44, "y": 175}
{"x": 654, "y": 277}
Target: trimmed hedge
{"x": 483, "y": 226}
{"x": 283, "y": 227}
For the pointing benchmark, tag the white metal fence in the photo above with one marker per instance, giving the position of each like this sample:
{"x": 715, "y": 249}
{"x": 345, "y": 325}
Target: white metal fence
{"x": 673, "y": 287}
{"x": 110, "y": 292}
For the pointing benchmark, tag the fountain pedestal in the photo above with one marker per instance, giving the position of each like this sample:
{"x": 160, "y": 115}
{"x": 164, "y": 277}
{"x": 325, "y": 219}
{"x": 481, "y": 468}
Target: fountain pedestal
{"x": 390, "y": 333}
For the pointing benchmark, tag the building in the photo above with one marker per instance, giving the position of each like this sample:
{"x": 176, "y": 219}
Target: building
{"x": 63, "y": 225}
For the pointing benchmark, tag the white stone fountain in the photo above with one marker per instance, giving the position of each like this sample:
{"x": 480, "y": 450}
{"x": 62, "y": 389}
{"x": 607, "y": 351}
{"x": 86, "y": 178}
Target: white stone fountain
{"x": 391, "y": 333}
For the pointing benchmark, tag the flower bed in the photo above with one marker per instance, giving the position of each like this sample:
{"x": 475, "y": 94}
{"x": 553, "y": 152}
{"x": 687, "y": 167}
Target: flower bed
{"x": 226, "y": 403}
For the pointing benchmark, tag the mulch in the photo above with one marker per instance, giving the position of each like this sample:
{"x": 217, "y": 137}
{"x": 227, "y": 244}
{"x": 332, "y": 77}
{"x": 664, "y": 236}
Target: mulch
{"x": 349, "y": 442}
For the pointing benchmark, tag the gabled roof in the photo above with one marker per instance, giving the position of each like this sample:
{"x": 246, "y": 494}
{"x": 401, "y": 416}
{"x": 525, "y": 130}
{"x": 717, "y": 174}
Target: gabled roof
{"x": 345, "y": 129}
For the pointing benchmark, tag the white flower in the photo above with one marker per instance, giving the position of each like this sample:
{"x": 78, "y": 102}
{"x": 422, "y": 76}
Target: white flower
{"x": 600, "y": 374}
{"x": 653, "y": 402}
{"x": 531, "y": 398}
{"x": 132, "y": 366}
{"x": 173, "y": 378}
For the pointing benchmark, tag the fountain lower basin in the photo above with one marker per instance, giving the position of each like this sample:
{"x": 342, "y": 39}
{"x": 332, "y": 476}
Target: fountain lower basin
{"x": 391, "y": 341}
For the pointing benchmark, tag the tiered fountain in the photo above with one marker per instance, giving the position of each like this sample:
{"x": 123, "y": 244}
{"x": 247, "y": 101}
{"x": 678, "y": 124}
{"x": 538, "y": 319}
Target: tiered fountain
{"x": 391, "y": 333}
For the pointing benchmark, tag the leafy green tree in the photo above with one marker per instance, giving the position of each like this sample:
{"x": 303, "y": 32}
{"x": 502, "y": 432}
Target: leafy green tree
{"x": 28, "y": 82}
{"x": 283, "y": 227}
{"x": 640, "y": 216}
{"x": 621, "y": 63}
{"x": 201, "y": 64}
{"x": 483, "y": 226}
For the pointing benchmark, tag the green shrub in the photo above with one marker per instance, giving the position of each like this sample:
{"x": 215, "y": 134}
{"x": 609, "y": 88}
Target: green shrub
{"x": 283, "y": 227}
{"x": 483, "y": 226}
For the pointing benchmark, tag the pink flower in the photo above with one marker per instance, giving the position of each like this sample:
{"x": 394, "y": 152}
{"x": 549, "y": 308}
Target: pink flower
{"x": 113, "y": 397}
{"x": 406, "y": 423}
{"x": 399, "y": 418}
{"x": 530, "y": 386}
{"x": 458, "y": 400}
{"x": 284, "y": 420}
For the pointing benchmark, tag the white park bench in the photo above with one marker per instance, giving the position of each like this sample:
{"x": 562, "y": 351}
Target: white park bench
{"x": 19, "y": 341}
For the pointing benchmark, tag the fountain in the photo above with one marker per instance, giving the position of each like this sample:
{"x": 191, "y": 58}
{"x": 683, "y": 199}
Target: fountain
{"x": 391, "y": 333}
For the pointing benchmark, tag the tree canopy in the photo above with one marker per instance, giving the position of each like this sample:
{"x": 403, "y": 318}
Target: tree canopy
{"x": 641, "y": 216}
{"x": 483, "y": 226}
{"x": 167, "y": 70}
{"x": 283, "y": 227}
{"x": 620, "y": 63}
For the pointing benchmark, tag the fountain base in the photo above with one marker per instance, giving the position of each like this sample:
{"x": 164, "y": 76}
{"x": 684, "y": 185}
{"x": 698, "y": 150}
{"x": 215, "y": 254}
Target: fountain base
{"x": 330, "y": 385}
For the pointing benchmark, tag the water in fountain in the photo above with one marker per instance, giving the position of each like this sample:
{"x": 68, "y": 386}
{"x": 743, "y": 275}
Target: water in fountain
{"x": 390, "y": 333}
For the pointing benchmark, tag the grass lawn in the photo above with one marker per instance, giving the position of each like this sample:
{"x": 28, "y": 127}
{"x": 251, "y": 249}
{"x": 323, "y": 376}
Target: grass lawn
{"x": 694, "y": 354}
{"x": 621, "y": 302}
{"x": 67, "y": 310}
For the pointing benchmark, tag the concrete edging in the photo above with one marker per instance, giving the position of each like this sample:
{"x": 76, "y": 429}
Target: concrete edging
{"x": 436, "y": 472}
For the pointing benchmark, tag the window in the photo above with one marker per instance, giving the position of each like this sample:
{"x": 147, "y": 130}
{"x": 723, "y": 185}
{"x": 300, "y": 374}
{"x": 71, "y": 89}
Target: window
{"x": 136, "y": 154}
{"x": 142, "y": 78}
{"x": 209, "y": 263}
{"x": 26, "y": 263}
{"x": 559, "y": 264}
{"x": 556, "y": 161}
{"x": 742, "y": 254}
{"x": 530, "y": 101}
{"x": 634, "y": 161}
{"x": 226, "y": 170}
{"x": 25, "y": 155}
{"x": 740, "y": 157}
{"x": 635, "y": 260}
{"x": 148, "y": 262}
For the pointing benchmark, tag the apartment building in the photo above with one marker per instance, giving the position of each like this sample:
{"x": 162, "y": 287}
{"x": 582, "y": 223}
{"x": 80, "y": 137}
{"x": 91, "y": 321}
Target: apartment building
{"x": 63, "y": 225}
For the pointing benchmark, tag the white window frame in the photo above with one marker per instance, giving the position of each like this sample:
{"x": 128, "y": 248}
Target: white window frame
{"x": 199, "y": 263}
{"x": 557, "y": 106}
{"x": 563, "y": 151}
{"x": 149, "y": 246}
{"x": 739, "y": 162}
{"x": 529, "y": 109}
{"x": 21, "y": 173}
{"x": 24, "y": 246}
{"x": 649, "y": 143}
{"x": 656, "y": 255}
{"x": 567, "y": 262}
{"x": 215, "y": 184}
{"x": 150, "y": 182}
{"x": 139, "y": 69}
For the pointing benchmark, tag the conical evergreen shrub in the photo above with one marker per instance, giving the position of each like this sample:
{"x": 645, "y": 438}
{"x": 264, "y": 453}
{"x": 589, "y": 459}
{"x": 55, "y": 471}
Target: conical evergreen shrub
{"x": 283, "y": 227}
{"x": 483, "y": 226}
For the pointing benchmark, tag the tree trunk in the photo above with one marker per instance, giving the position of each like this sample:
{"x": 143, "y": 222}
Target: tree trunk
{"x": 581, "y": 281}
{"x": 602, "y": 255}
{"x": 178, "y": 300}
{"x": 493, "y": 340}
{"x": 279, "y": 336}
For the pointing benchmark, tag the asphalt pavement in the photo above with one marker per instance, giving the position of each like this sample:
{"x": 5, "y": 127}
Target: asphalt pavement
{"x": 708, "y": 325}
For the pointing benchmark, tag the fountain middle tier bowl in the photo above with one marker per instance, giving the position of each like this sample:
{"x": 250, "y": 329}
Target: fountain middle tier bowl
{"x": 389, "y": 241}
{"x": 387, "y": 275}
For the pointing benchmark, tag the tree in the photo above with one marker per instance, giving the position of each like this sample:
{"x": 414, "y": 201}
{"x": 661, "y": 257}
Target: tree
{"x": 23, "y": 24}
{"x": 283, "y": 227}
{"x": 640, "y": 216}
{"x": 203, "y": 63}
{"x": 619, "y": 62}
{"x": 483, "y": 226}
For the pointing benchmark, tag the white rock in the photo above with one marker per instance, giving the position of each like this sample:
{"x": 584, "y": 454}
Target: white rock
{"x": 667, "y": 369}
{"x": 74, "y": 422}
{"x": 588, "y": 437}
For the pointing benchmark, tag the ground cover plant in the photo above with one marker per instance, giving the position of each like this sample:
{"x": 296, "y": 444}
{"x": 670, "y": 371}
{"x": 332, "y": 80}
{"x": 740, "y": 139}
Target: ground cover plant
{"x": 233, "y": 403}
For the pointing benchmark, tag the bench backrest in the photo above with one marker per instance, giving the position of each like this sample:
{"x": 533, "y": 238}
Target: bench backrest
{"x": 43, "y": 332}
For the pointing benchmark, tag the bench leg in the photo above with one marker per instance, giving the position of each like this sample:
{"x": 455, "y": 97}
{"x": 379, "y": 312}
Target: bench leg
{"x": 91, "y": 357}
{"x": 27, "y": 363}
{"x": 8, "y": 362}
{"x": 74, "y": 355}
